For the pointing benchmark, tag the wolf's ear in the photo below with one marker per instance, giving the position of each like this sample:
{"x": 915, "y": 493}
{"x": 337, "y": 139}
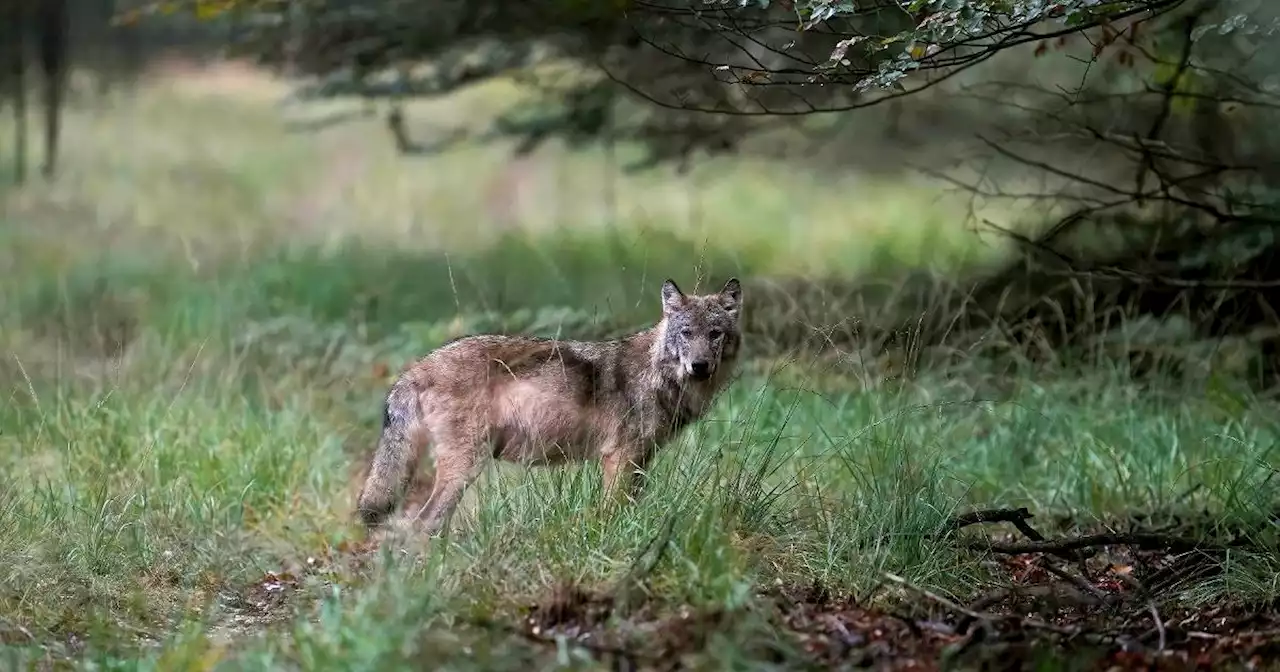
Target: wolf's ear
{"x": 731, "y": 295}
{"x": 672, "y": 297}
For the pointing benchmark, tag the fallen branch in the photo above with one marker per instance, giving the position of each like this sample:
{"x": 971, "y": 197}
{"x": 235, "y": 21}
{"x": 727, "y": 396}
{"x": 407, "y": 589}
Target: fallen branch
{"x": 1017, "y": 517}
{"x": 989, "y": 516}
{"x": 973, "y": 614}
{"x": 1076, "y": 581}
{"x": 1059, "y": 592}
{"x": 949, "y": 604}
{"x": 1143, "y": 540}
{"x": 1155, "y": 616}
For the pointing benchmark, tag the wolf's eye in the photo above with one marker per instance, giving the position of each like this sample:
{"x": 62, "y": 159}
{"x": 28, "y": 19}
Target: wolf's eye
{"x": 687, "y": 333}
{"x": 715, "y": 334}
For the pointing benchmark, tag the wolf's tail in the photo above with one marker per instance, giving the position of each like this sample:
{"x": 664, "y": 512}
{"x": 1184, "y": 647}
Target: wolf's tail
{"x": 396, "y": 457}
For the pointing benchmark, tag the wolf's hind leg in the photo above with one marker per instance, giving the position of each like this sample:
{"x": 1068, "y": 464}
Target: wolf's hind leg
{"x": 458, "y": 465}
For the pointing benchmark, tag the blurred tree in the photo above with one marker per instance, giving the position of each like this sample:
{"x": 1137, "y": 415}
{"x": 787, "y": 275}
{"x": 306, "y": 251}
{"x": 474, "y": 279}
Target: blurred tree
{"x": 1175, "y": 109}
{"x": 39, "y": 27}
{"x": 757, "y": 60}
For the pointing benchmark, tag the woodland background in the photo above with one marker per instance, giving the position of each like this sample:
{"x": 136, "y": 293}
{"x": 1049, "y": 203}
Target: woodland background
{"x": 1002, "y": 259}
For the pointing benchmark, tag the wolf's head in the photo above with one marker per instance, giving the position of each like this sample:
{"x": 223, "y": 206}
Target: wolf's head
{"x": 701, "y": 333}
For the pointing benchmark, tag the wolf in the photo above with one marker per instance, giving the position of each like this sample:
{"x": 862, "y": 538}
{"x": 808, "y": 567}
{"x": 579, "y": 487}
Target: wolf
{"x": 537, "y": 401}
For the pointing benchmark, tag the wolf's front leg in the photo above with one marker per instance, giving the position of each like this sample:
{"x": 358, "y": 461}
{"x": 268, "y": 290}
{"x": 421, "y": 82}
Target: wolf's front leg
{"x": 624, "y": 467}
{"x": 458, "y": 461}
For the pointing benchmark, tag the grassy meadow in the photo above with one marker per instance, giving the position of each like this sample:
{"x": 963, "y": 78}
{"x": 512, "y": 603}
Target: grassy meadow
{"x": 200, "y": 315}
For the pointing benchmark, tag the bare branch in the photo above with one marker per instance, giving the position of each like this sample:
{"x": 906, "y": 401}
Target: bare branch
{"x": 1184, "y": 59}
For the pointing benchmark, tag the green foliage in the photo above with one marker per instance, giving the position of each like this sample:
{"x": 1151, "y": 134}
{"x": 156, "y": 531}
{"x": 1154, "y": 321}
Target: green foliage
{"x": 957, "y": 31}
{"x": 398, "y": 50}
{"x": 890, "y": 42}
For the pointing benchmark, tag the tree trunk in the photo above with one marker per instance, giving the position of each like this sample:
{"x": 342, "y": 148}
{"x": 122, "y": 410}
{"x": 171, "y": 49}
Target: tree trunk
{"x": 13, "y": 68}
{"x": 53, "y": 25}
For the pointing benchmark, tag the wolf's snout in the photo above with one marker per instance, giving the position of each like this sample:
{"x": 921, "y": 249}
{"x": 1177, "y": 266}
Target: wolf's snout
{"x": 700, "y": 370}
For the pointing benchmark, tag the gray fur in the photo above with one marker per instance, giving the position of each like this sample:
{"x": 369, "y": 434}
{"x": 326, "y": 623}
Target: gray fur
{"x": 539, "y": 401}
